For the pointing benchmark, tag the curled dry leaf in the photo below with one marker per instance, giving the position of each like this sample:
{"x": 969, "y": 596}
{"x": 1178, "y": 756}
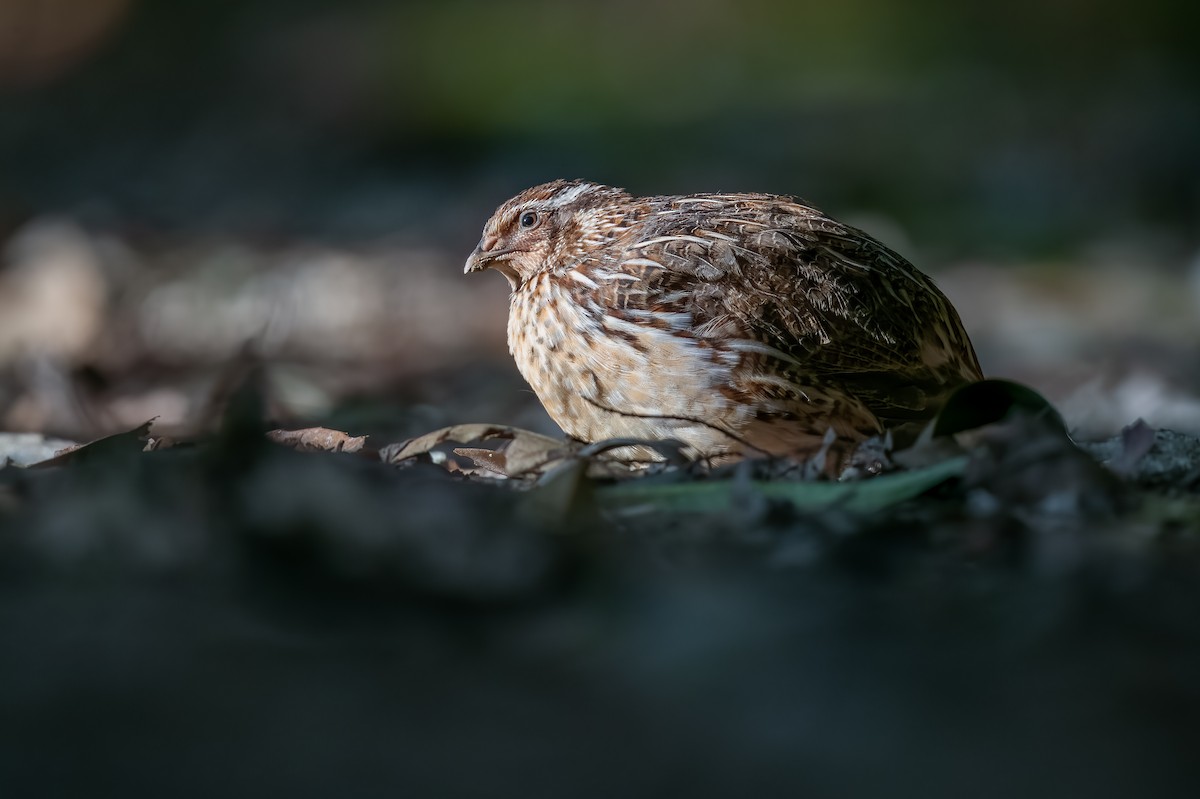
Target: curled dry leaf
{"x": 490, "y": 460}
{"x": 528, "y": 454}
{"x": 318, "y": 439}
{"x": 518, "y": 453}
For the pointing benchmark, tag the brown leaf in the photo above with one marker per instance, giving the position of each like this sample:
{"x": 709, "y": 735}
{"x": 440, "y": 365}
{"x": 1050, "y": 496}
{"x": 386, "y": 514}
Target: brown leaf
{"x": 129, "y": 441}
{"x": 489, "y": 460}
{"x": 529, "y": 454}
{"x": 422, "y": 445}
{"x": 518, "y": 453}
{"x": 318, "y": 439}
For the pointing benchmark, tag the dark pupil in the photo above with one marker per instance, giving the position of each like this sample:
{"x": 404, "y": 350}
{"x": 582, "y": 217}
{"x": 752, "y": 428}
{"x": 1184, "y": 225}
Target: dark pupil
{"x": 528, "y": 218}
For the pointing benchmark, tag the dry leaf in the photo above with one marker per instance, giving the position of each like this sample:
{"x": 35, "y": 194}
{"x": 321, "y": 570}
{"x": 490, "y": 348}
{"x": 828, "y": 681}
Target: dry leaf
{"x": 318, "y": 439}
{"x": 131, "y": 440}
{"x": 518, "y": 454}
{"x": 531, "y": 454}
{"x": 490, "y": 460}
{"x": 422, "y": 445}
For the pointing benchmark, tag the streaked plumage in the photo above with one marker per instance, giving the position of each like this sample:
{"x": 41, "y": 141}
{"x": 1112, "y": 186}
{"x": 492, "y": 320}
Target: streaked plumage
{"x": 740, "y": 324}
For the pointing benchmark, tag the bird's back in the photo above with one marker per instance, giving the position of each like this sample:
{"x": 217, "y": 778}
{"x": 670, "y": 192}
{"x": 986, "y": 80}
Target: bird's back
{"x": 805, "y": 298}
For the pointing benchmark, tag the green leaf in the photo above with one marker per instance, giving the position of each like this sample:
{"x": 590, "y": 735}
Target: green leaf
{"x": 989, "y": 401}
{"x": 862, "y": 496}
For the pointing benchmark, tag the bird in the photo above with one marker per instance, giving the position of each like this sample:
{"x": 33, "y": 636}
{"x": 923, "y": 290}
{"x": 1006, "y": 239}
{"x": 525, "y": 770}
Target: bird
{"x": 740, "y": 325}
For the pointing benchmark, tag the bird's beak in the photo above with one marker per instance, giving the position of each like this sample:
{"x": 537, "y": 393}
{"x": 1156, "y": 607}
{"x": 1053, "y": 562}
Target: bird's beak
{"x": 476, "y": 262}
{"x": 486, "y": 256}
{"x": 483, "y": 254}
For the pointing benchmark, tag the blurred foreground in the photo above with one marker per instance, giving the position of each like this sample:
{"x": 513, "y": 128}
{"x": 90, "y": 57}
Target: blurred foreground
{"x": 238, "y": 617}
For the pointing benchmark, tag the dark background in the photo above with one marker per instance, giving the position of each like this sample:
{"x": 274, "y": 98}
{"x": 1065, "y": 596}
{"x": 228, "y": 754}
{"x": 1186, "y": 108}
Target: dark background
{"x": 309, "y": 176}
{"x": 183, "y": 180}
{"x": 1019, "y": 131}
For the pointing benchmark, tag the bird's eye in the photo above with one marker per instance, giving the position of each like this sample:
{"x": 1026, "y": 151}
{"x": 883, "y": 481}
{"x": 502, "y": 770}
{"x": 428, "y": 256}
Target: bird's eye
{"x": 529, "y": 219}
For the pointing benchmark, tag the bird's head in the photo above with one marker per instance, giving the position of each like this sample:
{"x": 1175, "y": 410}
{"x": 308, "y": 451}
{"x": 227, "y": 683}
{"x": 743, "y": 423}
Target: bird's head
{"x": 547, "y": 226}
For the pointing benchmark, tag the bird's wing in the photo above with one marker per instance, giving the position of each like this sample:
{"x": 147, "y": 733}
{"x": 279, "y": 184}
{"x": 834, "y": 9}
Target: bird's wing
{"x": 816, "y": 299}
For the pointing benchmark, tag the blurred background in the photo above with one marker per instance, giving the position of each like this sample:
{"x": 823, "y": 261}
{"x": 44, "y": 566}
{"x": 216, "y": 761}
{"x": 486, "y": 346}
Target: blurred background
{"x": 184, "y": 182}
{"x": 180, "y": 181}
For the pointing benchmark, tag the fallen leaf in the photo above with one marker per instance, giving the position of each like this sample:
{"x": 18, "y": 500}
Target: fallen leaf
{"x": 518, "y": 453}
{"x": 987, "y": 402}
{"x": 862, "y": 496}
{"x": 529, "y": 454}
{"x": 423, "y": 445}
{"x": 318, "y": 439}
{"x": 971, "y": 409}
{"x": 108, "y": 446}
{"x": 490, "y": 460}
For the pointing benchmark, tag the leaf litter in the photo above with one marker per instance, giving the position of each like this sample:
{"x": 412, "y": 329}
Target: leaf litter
{"x": 996, "y": 449}
{"x": 492, "y": 567}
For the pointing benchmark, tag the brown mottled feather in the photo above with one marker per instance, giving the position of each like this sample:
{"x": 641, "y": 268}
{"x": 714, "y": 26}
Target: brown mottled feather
{"x": 738, "y": 323}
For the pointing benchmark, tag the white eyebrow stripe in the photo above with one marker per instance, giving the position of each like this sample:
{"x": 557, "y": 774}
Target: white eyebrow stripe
{"x": 570, "y": 195}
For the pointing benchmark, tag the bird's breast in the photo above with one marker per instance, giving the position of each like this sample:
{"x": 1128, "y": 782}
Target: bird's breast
{"x": 602, "y": 373}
